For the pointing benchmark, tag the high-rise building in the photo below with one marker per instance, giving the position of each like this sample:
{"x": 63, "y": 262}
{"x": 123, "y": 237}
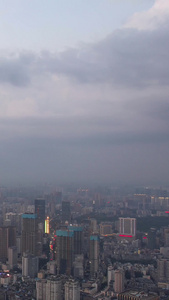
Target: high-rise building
{"x": 64, "y": 251}
{"x": 127, "y": 226}
{"x": 41, "y": 289}
{"x": 78, "y": 266}
{"x": 7, "y": 239}
{"x": 93, "y": 226}
{"x": 12, "y": 256}
{"x": 166, "y": 236}
{"x": 110, "y": 274}
{"x": 14, "y": 219}
{"x": 66, "y": 213}
{"x": 163, "y": 269}
{"x": 94, "y": 255}
{"x": 53, "y": 288}
{"x": 29, "y": 234}
{"x": 152, "y": 238}
{"x": 40, "y": 211}
{"x": 49, "y": 289}
{"x": 72, "y": 290}
{"x": 78, "y": 238}
{"x": 119, "y": 281}
{"x": 30, "y": 265}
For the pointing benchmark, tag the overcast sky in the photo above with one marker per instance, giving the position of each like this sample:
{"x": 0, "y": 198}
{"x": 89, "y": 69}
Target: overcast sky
{"x": 84, "y": 92}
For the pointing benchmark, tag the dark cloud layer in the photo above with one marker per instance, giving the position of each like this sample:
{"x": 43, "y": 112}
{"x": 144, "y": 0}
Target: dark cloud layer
{"x": 128, "y": 57}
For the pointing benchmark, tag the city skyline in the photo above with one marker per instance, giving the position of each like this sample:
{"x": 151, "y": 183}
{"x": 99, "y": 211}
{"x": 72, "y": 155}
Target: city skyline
{"x": 84, "y": 92}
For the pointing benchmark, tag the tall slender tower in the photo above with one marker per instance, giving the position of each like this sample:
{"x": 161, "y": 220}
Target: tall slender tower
{"x": 66, "y": 213}
{"x": 29, "y": 233}
{"x": 7, "y": 239}
{"x": 40, "y": 211}
{"x": 94, "y": 255}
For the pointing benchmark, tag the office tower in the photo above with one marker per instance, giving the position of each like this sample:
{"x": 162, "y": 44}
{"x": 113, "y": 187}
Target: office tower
{"x": 127, "y": 226}
{"x": 7, "y": 239}
{"x": 30, "y": 265}
{"x": 152, "y": 238}
{"x": 163, "y": 270}
{"x": 72, "y": 290}
{"x": 29, "y": 234}
{"x": 40, "y": 211}
{"x": 93, "y": 226}
{"x": 119, "y": 281}
{"x": 94, "y": 255}
{"x": 78, "y": 238}
{"x": 12, "y": 256}
{"x": 64, "y": 251}
{"x": 66, "y": 213}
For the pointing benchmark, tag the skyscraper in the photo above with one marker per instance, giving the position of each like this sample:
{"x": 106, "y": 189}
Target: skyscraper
{"x": 66, "y": 213}
{"x": 40, "y": 211}
{"x": 12, "y": 256}
{"x": 119, "y": 281}
{"x": 49, "y": 289}
{"x": 53, "y": 288}
{"x": 30, "y": 265}
{"x": 94, "y": 255}
{"x": 29, "y": 233}
{"x": 78, "y": 238}
{"x": 7, "y": 239}
{"x": 152, "y": 238}
{"x": 64, "y": 251}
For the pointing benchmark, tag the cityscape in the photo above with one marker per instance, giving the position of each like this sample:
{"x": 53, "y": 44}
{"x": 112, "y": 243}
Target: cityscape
{"x": 78, "y": 243}
{"x": 84, "y": 150}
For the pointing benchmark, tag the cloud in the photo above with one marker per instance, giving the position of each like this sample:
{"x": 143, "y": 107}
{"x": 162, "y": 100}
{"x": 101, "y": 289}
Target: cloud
{"x": 127, "y": 58}
{"x": 152, "y": 19}
{"x": 14, "y": 70}
{"x": 100, "y": 108}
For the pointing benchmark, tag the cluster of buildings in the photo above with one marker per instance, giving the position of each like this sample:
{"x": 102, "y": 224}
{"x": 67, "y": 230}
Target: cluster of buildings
{"x": 82, "y": 246}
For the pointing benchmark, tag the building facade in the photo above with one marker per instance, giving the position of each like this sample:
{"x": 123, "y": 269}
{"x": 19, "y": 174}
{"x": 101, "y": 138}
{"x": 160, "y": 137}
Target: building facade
{"x": 127, "y": 226}
{"x": 72, "y": 290}
{"x": 7, "y": 239}
{"x": 29, "y": 234}
{"x": 64, "y": 251}
{"x": 94, "y": 255}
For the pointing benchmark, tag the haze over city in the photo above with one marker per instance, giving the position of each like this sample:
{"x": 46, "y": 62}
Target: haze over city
{"x": 84, "y": 92}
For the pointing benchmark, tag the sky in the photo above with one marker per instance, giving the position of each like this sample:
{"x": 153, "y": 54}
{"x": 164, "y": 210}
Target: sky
{"x": 84, "y": 91}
